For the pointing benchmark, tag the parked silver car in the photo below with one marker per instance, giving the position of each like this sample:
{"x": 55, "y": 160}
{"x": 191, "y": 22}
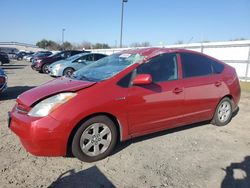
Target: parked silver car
{"x": 68, "y": 66}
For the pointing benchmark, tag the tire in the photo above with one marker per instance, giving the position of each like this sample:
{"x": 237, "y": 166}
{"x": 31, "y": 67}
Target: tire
{"x": 68, "y": 72}
{"x": 223, "y": 113}
{"x": 45, "y": 69}
{"x": 95, "y": 143}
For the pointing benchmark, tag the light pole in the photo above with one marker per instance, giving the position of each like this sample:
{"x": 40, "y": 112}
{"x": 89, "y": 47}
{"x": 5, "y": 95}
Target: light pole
{"x": 123, "y": 1}
{"x": 63, "y": 35}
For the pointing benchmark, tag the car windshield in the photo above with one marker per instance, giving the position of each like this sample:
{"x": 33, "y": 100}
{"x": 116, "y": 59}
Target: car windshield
{"x": 54, "y": 54}
{"x": 107, "y": 67}
{"x": 74, "y": 57}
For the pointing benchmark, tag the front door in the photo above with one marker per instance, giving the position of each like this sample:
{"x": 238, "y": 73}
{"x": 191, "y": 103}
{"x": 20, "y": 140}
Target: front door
{"x": 158, "y": 105}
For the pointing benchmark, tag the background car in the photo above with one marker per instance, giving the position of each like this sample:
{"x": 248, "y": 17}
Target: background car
{"x": 28, "y": 54}
{"x": 12, "y": 55}
{"x": 40, "y": 54}
{"x": 42, "y": 64}
{"x": 68, "y": 66}
{"x": 4, "y": 58}
{"x": 3, "y": 81}
{"x": 121, "y": 96}
{"x": 20, "y": 55}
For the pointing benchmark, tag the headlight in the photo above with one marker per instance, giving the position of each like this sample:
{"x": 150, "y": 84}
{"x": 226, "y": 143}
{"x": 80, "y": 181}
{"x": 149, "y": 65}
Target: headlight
{"x": 57, "y": 66}
{"x": 39, "y": 60}
{"x": 46, "y": 106}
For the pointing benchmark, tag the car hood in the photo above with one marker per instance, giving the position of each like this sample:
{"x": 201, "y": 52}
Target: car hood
{"x": 58, "y": 62}
{"x": 51, "y": 88}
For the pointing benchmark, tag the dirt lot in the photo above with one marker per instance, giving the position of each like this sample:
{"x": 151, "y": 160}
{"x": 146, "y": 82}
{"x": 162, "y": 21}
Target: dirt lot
{"x": 194, "y": 156}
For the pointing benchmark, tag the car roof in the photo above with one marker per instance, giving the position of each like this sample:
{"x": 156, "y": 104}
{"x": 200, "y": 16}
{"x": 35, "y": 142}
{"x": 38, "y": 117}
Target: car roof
{"x": 152, "y": 51}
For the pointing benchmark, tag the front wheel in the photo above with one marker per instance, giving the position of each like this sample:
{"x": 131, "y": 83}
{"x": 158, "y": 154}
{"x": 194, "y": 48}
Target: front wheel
{"x": 68, "y": 72}
{"x": 95, "y": 139}
{"x": 45, "y": 68}
{"x": 223, "y": 113}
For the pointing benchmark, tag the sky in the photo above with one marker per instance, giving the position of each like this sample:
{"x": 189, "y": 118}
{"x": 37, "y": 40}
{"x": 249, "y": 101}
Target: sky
{"x": 155, "y": 21}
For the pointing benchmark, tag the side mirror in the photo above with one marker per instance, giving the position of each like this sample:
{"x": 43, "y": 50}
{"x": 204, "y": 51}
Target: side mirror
{"x": 142, "y": 79}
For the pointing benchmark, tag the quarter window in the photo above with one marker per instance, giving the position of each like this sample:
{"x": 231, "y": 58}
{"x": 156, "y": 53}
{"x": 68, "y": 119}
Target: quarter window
{"x": 161, "y": 68}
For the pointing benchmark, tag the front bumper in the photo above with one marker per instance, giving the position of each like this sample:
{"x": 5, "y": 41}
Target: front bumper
{"x": 3, "y": 87}
{"x": 39, "y": 136}
{"x": 54, "y": 72}
{"x": 6, "y": 61}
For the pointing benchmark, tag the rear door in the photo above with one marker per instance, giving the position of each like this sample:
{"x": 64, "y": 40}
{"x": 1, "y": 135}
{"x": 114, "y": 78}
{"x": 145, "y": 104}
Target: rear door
{"x": 201, "y": 90}
{"x": 158, "y": 105}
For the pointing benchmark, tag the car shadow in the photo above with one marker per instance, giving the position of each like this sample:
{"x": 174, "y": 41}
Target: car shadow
{"x": 13, "y": 92}
{"x": 237, "y": 175}
{"x": 122, "y": 145}
{"x": 91, "y": 177}
{"x": 13, "y": 67}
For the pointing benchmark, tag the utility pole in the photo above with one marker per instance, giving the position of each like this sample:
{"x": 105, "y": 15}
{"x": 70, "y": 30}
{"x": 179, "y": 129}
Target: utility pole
{"x": 123, "y": 1}
{"x": 63, "y": 35}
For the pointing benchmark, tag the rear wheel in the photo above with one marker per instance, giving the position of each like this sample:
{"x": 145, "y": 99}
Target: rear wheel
{"x": 95, "y": 139}
{"x": 223, "y": 113}
{"x": 68, "y": 72}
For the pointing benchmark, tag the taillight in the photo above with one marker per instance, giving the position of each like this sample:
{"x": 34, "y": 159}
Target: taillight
{"x": 22, "y": 109}
{"x": 2, "y": 80}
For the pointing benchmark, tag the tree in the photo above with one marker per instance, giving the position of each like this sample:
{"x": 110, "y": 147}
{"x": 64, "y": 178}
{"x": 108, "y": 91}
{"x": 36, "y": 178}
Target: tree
{"x": 137, "y": 44}
{"x": 66, "y": 46}
{"x": 101, "y": 46}
{"x": 42, "y": 44}
{"x": 179, "y": 42}
{"x": 237, "y": 39}
{"x": 48, "y": 44}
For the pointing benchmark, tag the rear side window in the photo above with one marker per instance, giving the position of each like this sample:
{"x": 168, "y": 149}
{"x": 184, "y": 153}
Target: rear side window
{"x": 164, "y": 67}
{"x": 195, "y": 65}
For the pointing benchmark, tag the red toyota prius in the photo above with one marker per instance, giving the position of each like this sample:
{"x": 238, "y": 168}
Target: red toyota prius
{"x": 125, "y": 95}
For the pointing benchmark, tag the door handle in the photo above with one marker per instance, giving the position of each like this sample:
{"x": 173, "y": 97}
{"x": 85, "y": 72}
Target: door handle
{"x": 218, "y": 83}
{"x": 177, "y": 90}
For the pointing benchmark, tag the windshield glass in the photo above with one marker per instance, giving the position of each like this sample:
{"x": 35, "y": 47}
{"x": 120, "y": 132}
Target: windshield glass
{"x": 106, "y": 67}
{"x": 74, "y": 57}
{"x": 54, "y": 54}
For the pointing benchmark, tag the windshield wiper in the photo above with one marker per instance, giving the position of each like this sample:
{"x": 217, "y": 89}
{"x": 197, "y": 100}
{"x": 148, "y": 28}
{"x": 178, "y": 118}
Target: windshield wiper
{"x": 82, "y": 77}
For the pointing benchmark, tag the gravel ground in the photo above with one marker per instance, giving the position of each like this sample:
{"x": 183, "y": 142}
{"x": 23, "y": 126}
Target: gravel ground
{"x": 194, "y": 156}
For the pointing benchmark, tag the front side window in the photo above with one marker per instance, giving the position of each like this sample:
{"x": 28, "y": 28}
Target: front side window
{"x": 98, "y": 56}
{"x": 89, "y": 57}
{"x": 195, "y": 65}
{"x": 164, "y": 67}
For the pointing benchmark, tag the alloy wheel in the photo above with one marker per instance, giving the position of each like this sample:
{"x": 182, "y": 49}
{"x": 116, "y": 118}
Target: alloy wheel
{"x": 224, "y": 111}
{"x": 96, "y": 139}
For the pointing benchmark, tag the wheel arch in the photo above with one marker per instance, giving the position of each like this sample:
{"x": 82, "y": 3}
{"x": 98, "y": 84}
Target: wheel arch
{"x": 230, "y": 97}
{"x": 73, "y": 131}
